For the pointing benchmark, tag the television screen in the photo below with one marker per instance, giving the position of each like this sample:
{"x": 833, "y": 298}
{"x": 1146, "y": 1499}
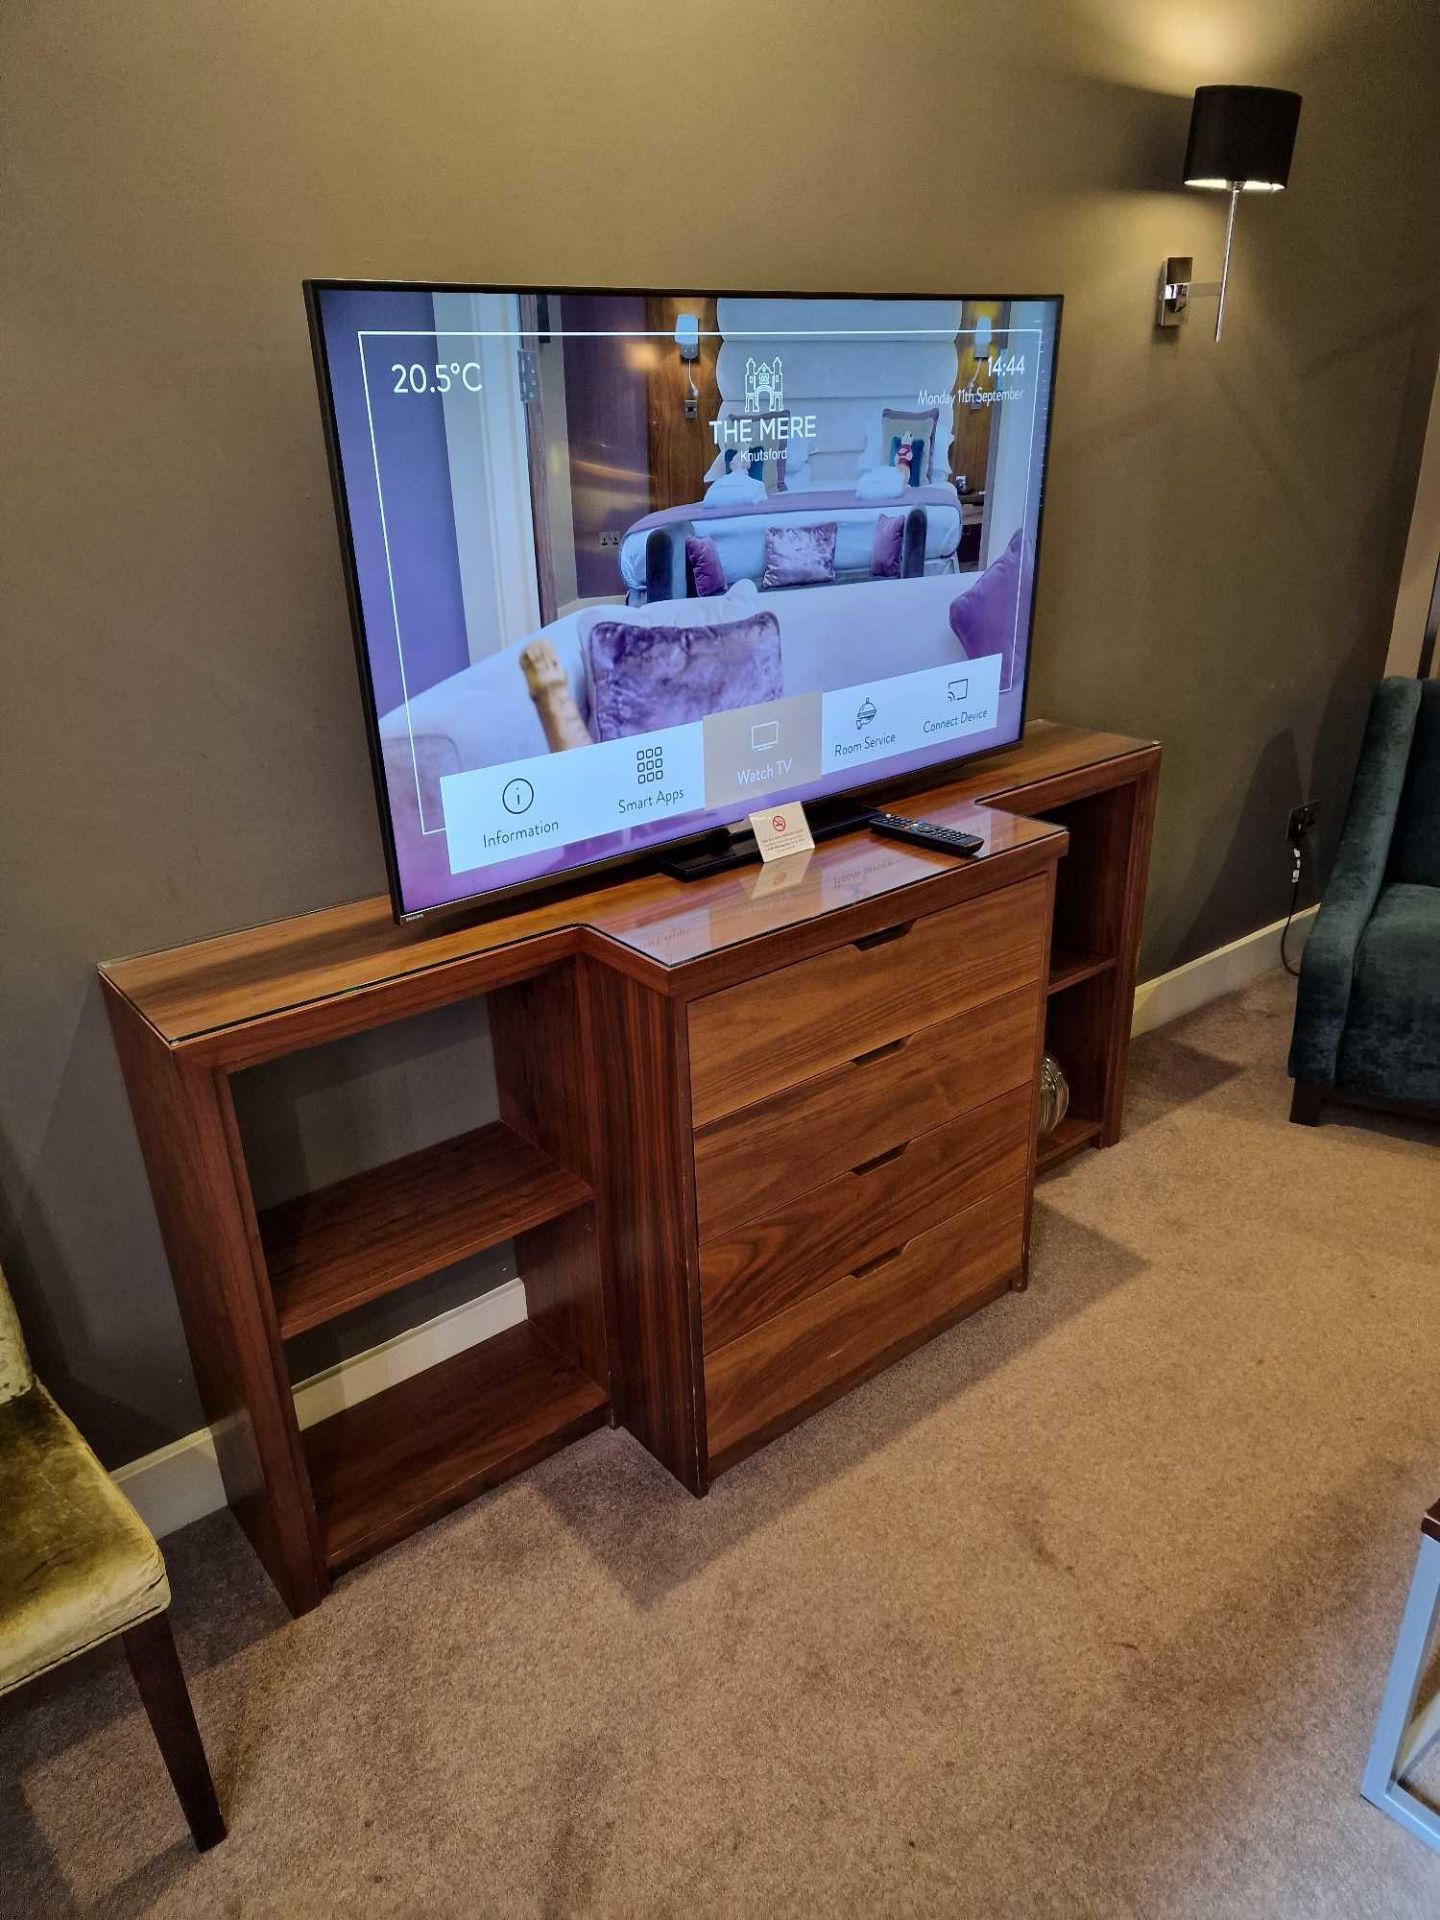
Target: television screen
{"x": 626, "y": 565}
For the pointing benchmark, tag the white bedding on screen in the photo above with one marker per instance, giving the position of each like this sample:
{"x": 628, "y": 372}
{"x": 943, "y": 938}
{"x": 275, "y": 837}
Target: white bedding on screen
{"x": 829, "y": 637}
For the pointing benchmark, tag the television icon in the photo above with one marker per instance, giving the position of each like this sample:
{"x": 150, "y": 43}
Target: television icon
{"x": 764, "y": 735}
{"x": 959, "y": 689}
{"x": 866, "y": 713}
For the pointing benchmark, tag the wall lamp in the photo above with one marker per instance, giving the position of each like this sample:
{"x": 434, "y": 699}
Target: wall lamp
{"x": 687, "y": 339}
{"x": 1241, "y": 141}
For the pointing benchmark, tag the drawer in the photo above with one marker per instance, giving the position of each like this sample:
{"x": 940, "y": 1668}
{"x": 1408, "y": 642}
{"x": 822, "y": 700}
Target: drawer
{"x": 755, "y": 1039}
{"x": 758, "y": 1270}
{"x": 751, "y": 1161}
{"x": 820, "y": 1346}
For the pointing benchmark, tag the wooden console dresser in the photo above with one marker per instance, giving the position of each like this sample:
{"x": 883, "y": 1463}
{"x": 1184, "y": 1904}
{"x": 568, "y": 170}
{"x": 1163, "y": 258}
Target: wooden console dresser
{"x": 759, "y": 1135}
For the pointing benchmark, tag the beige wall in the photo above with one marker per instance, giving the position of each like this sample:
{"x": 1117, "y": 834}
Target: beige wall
{"x": 183, "y": 740}
{"x": 1418, "y": 586}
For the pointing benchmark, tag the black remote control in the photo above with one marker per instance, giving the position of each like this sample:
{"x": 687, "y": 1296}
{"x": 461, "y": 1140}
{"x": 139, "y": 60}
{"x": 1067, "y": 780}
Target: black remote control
{"x": 924, "y": 834}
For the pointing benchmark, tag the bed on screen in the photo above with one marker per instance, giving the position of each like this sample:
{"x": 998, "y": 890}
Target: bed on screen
{"x": 652, "y": 552}
{"x": 812, "y": 429}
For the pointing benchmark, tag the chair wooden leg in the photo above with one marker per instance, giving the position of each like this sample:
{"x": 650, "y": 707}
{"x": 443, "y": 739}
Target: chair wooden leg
{"x": 1305, "y": 1103}
{"x": 160, "y": 1679}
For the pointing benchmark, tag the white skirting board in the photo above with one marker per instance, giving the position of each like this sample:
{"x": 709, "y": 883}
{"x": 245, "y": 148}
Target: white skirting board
{"x": 181, "y": 1482}
{"x": 1164, "y": 999}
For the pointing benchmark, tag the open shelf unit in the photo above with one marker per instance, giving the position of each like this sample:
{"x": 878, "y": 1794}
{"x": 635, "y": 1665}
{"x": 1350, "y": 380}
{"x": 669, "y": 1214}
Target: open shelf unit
{"x": 381, "y": 1468}
{"x": 386, "y": 1466}
{"x": 1070, "y": 965}
{"x": 1069, "y": 1137}
{"x": 364, "y": 1477}
{"x": 331, "y": 1251}
{"x": 1091, "y": 960}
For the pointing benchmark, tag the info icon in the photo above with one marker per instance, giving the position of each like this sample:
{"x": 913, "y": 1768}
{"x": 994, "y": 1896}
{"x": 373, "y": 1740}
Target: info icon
{"x": 517, "y": 796}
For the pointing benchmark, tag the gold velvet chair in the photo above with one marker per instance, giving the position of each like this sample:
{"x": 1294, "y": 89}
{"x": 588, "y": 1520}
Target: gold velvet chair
{"x": 78, "y": 1566}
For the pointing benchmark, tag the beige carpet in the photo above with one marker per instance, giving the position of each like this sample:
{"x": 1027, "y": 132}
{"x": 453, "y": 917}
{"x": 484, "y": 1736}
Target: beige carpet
{"x": 1082, "y": 1610}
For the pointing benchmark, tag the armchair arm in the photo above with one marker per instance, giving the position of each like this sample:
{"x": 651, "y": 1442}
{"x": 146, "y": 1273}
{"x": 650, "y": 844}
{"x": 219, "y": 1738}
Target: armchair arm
{"x": 1327, "y": 966}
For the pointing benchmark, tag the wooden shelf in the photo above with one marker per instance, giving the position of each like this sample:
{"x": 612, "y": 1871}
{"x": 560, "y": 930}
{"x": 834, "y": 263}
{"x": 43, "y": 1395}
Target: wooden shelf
{"x": 1070, "y": 965}
{"x": 1069, "y": 1137}
{"x": 334, "y": 1249}
{"x": 389, "y": 1465}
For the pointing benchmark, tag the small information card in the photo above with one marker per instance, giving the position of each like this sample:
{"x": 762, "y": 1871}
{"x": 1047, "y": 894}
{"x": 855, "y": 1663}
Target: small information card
{"x": 781, "y": 830}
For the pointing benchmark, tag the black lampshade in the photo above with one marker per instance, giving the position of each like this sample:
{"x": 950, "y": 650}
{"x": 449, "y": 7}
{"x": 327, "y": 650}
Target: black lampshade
{"x": 1242, "y": 133}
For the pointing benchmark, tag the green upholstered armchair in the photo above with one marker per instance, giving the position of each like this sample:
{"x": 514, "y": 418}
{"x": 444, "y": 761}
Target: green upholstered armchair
{"x": 1367, "y": 1018}
{"x": 78, "y": 1566}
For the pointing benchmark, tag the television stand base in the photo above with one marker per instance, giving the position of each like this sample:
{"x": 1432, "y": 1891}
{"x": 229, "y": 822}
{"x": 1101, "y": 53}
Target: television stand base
{"x": 721, "y": 851}
{"x": 688, "y": 1079}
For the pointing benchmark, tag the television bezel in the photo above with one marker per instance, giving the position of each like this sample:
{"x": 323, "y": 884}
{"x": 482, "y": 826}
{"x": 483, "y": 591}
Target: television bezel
{"x": 893, "y": 787}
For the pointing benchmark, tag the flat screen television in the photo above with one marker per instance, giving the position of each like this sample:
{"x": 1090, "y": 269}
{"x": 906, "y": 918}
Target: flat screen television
{"x": 624, "y": 566}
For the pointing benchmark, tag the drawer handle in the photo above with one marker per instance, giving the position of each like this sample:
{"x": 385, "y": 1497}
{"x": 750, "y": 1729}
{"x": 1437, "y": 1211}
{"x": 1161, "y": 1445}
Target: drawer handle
{"x": 880, "y": 1260}
{"x": 868, "y": 940}
{"x": 869, "y": 1166}
{"x": 879, "y": 1053}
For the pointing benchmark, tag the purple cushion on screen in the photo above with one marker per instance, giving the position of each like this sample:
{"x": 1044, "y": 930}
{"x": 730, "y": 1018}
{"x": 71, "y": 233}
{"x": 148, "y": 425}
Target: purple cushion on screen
{"x": 705, "y": 564}
{"x": 645, "y": 678}
{"x": 992, "y": 617}
{"x": 799, "y": 556}
{"x": 887, "y": 548}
